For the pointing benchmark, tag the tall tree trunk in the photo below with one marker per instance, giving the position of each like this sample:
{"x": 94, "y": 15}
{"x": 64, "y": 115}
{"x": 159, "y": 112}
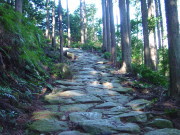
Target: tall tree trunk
{"x": 68, "y": 24}
{"x": 104, "y": 26}
{"x": 152, "y": 43}
{"x": 18, "y": 5}
{"x": 113, "y": 41}
{"x": 161, "y": 23}
{"x": 158, "y": 24}
{"x": 60, "y": 31}
{"x": 174, "y": 46}
{"x": 126, "y": 55}
{"x": 144, "y": 12}
{"x": 47, "y": 19}
{"x": 85, "y": 21}
{"x": 53, "y": 26}
{"x": 128, "y": 23}
{"x": 108, "y": 27}
{"x": 82, "y": 21}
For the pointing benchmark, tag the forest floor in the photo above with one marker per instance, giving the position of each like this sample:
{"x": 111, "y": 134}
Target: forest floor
{"x": 98, "y": 102}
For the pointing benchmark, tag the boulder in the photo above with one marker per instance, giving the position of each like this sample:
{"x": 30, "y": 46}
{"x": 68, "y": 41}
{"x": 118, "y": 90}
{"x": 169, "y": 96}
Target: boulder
{"x": 72, "y": 133}
{"x": 165, "y": 131}
{"x": 48, "y": 125}
{"x": 161, "y": 123}
{"x": 139, "y": 104}
{"x": 81, "y": 116}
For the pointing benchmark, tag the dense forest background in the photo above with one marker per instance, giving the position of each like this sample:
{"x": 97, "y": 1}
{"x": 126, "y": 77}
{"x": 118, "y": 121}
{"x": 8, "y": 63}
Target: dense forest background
{"x": 34, "y": 32}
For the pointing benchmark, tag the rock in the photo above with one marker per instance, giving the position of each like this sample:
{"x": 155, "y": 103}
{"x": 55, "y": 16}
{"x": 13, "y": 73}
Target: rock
{"x": 116, "y": 111}
{"x": 54, "y": 108}
{"x": 81, "y": 116}
{"x": 120, "y": 99}
{"x": 68, "y": 83}
{"x": 110, "y": 85}
{"x": 147, "y": 129}
{"x": 108, "y": 126}
{"x": 76, "y": 107}
{"x": 86, "y": 99}
{"x": 72, "y": 133}
{"x": 48, "y": 125}
{"x": 106, "y": 105}
{"x": 161, "y": 123}
{"x": 45, "y": 114}
{"x": 165, "y": 131}
{"x": 123, "y": 90}
{"x": 139, "y": 104}
{"x": 62, "y": 70}
{"x": 70, "y": 93}
{"x": 55, "y": 99}
{"x": 134, "y": 117}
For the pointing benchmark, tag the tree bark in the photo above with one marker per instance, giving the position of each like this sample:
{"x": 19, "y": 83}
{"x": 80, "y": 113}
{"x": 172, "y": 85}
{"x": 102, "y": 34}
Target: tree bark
{"x": 158, "y": 24}
{"x": 104, "y": 47}
{"x": 68, "y": 24}
{"x": 161, "y": 23}
{"x": 108, "y": 27}
{"x": 60, "y": 31}
{"x": 152, "y": 40}
{"x": 18, "y": 5}
{"x": 85, "y": 21}
{"x": 144, "y": 12}
{"x": 47, "y": 19}
{"x": 82, "y": 21}
{"x": 53, "y": 26}
{"x": 113, "y": 41}
{"x": 174, "y": 46}
{"x": 126, "y": 55}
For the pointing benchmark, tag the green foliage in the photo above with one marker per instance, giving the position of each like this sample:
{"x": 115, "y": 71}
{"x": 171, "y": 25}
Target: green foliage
{"x": 27, "y": 40}
{"x": 150, "y": 76}
{"x": 172, "y": 112}
{"x": 137, "y": 50}
{"x": 7, "y": 93}
{"x": 107, "y": 55}
{"x": 76, "y": 45}
{"x": 90, "y": 45}
{"x": 119, "y": 54}
{"x": 61, "y": 70}
{"x": 152, "y": 21}
{"x": 163, "y": 61}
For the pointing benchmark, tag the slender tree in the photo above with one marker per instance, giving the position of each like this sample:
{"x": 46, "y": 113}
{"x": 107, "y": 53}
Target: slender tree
{"x": 104, "y": 47}
{"x": 126, "y": 53}
{"x": 108, "y": 26}
{"x": 18, "y": 5}
{"x": 60, "y": 31}
{"x": 47, "y": 19}
{"x": 174, "y": 46}
{"x": 158, "y": 24}
{"x": 161, "y": 23}
{"x": 82, "y": 21}
{"x": 53, "y": 26}
{"x": 144, "y": 12}
{"x": 112, "y": 31}
{"x": 68, "y": 24}
{"x": 85, "y": 21}
{"x": 152, "y": 37}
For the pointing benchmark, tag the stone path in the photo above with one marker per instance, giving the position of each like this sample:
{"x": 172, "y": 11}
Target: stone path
{"x": 94, "y": 103}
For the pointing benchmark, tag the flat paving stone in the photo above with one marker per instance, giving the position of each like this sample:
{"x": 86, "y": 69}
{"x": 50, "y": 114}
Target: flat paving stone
{"x": 81, "y": 116}
{"x": 86, "y": 99}
{"x": 76, "y": 107}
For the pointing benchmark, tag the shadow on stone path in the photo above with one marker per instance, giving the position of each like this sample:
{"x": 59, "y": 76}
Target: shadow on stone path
{"x": 94, "y": 103}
